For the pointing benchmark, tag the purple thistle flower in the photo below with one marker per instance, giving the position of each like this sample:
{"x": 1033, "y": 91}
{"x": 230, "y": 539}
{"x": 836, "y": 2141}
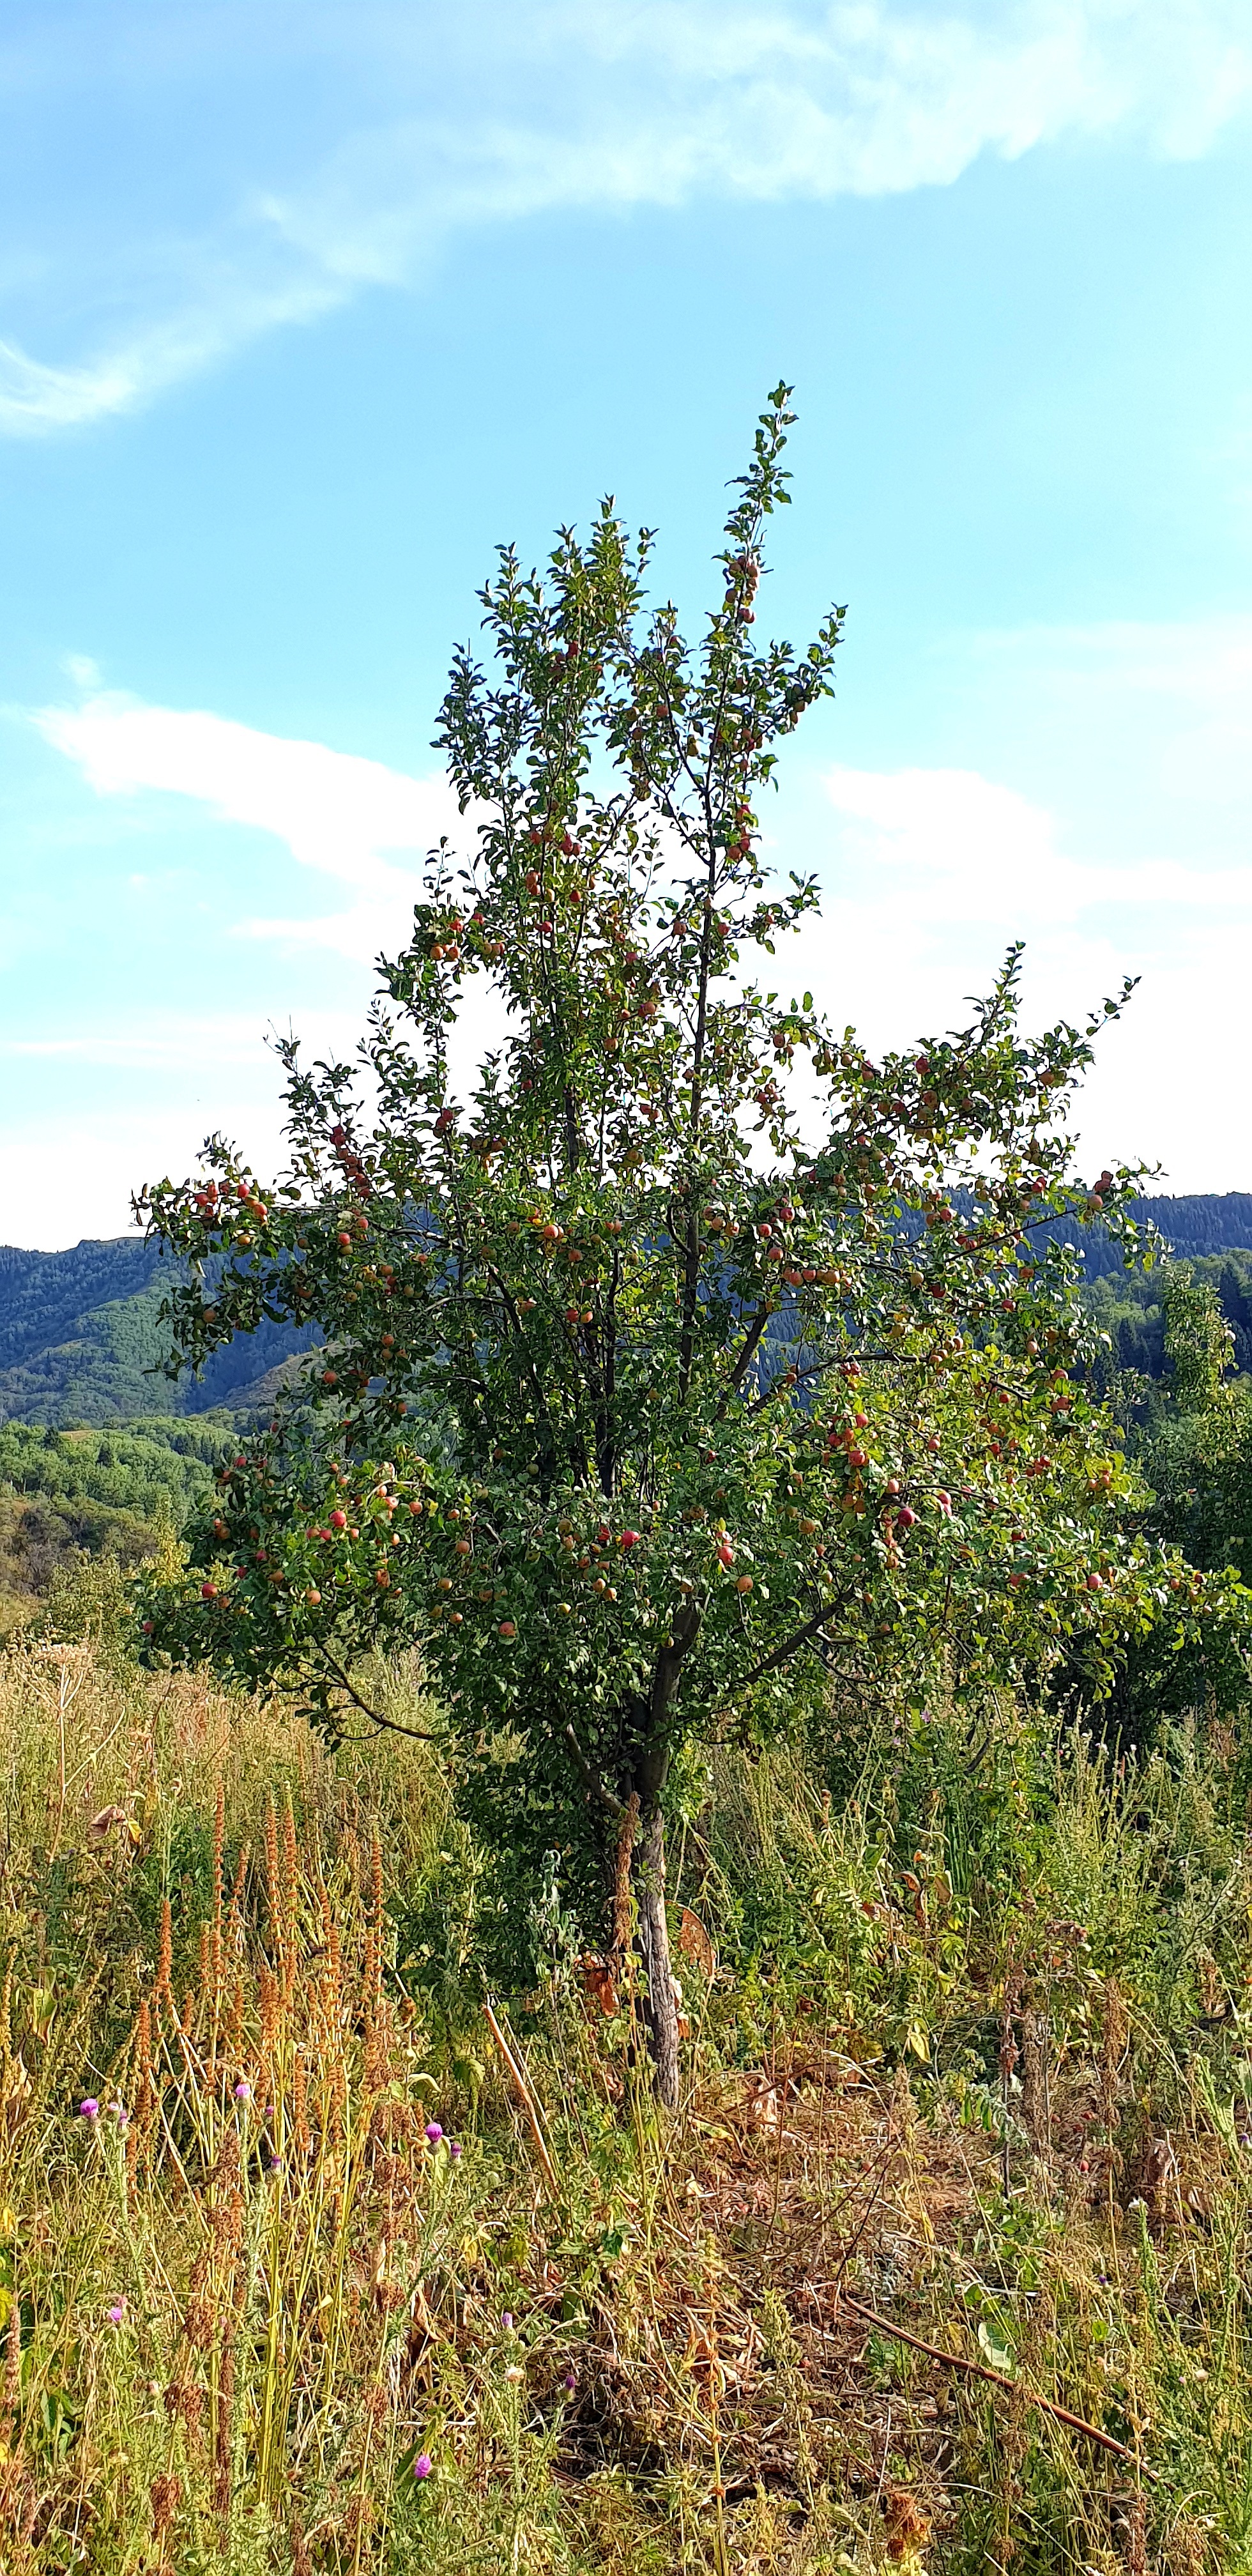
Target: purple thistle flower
{"x": 454, "y": 2146}
{"x": 423, "y": 2465}
{"x": 90, "y": 2109}
{"x": 433, "y": 2133}
{"x": 243, "y": 2091}
{"x": 507, "y": 2321}
{"x": 117, "y": 2313}
{"x": 570, "y": 2381}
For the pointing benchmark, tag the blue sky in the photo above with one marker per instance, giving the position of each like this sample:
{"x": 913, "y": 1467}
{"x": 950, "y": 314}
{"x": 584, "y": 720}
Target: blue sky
{"x": 303, "y": 307}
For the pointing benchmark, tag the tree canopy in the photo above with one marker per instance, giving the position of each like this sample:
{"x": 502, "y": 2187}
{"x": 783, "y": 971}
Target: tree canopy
{"x": 689, "y": 1350}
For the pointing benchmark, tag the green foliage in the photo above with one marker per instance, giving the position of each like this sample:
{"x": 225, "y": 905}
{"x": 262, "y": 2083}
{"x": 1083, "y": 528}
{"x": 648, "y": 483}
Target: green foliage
{"x": 149, "y": 1468}
{"x": 1130, "y": 1308}
{"x": 80, "y": 1506}
{"x": 729, "y": 1383}
{"x": 1191, "y": 1441}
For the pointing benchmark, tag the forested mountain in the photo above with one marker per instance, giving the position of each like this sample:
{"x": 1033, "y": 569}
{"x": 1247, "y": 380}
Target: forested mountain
{"x": 81, "y": 1340}
{"x": 1193, "y": 1226}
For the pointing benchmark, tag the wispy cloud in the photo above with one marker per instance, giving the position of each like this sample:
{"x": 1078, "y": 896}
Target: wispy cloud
{"x": 499, "y": 113}
{"x": 215, "y": 321}
{"x": 929, "y": 871}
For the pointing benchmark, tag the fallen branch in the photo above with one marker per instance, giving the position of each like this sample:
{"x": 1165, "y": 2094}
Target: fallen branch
{"x": 996, "y": 2379}
{"x": 524, "y": 2095}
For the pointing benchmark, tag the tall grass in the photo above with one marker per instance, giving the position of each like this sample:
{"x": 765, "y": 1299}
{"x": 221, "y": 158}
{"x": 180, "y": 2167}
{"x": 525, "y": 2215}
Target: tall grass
{"x": 300, "y": 2271}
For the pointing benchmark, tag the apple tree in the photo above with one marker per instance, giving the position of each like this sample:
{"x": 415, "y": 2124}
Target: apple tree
{"x": 687, "y": 1345}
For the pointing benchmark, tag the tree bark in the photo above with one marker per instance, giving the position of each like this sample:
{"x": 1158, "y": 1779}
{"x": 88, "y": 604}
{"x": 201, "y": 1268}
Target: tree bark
{"x": 654, "y": 1943}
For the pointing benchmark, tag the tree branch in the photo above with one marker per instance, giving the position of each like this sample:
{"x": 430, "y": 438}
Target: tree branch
{"x": 995, "y": 2378}
{"x": 782, "y": 1654}
{"x": 746, "y": 1355}
{"x": 375, "y": 1715}
{"x": 591, "y": 1779}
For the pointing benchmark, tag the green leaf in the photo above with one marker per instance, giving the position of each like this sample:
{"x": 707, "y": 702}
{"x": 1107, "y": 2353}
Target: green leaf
{"x": 996, "y": 2355}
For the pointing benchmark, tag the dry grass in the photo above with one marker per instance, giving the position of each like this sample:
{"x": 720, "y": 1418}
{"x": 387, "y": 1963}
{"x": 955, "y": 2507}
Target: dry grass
{"x": 242, "y": 2312}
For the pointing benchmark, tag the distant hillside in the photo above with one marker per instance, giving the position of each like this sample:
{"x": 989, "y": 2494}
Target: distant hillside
{"x": 81, "y": 1340}
{"x": 1193, "y": 1226}
{"x": 108, "y": 1492}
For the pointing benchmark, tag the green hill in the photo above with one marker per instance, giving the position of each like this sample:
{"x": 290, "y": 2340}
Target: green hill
{"x": 1195, "y": 1226}
{"x": 82, "y": 1341}
{"x": 106, "y": 1492}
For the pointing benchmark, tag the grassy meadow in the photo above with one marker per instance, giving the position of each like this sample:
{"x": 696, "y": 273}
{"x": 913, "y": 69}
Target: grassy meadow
{"x": 315, "y": 2256}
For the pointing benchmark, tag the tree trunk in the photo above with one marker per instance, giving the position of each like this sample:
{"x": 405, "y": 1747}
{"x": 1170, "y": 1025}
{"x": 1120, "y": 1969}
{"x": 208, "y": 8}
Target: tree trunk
{"x": 654, "y": 1943}
{"x": 650, "y": 1776}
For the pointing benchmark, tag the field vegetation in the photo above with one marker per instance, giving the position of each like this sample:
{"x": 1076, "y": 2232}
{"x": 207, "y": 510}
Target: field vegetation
{"x": 311, "y": 2261}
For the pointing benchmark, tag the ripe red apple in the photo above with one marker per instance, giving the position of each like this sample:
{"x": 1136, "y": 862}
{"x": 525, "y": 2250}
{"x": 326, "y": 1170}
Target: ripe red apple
{"x": 339, "y": 1520}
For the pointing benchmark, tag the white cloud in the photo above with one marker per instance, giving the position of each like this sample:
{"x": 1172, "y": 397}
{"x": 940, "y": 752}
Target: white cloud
{"x": 335, "y": 812}
{"x": 982, "y": 852}
{"x": 500, "y": 113}
{"x": 150, "y": 1045}
{"x": 931, "y": 873}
